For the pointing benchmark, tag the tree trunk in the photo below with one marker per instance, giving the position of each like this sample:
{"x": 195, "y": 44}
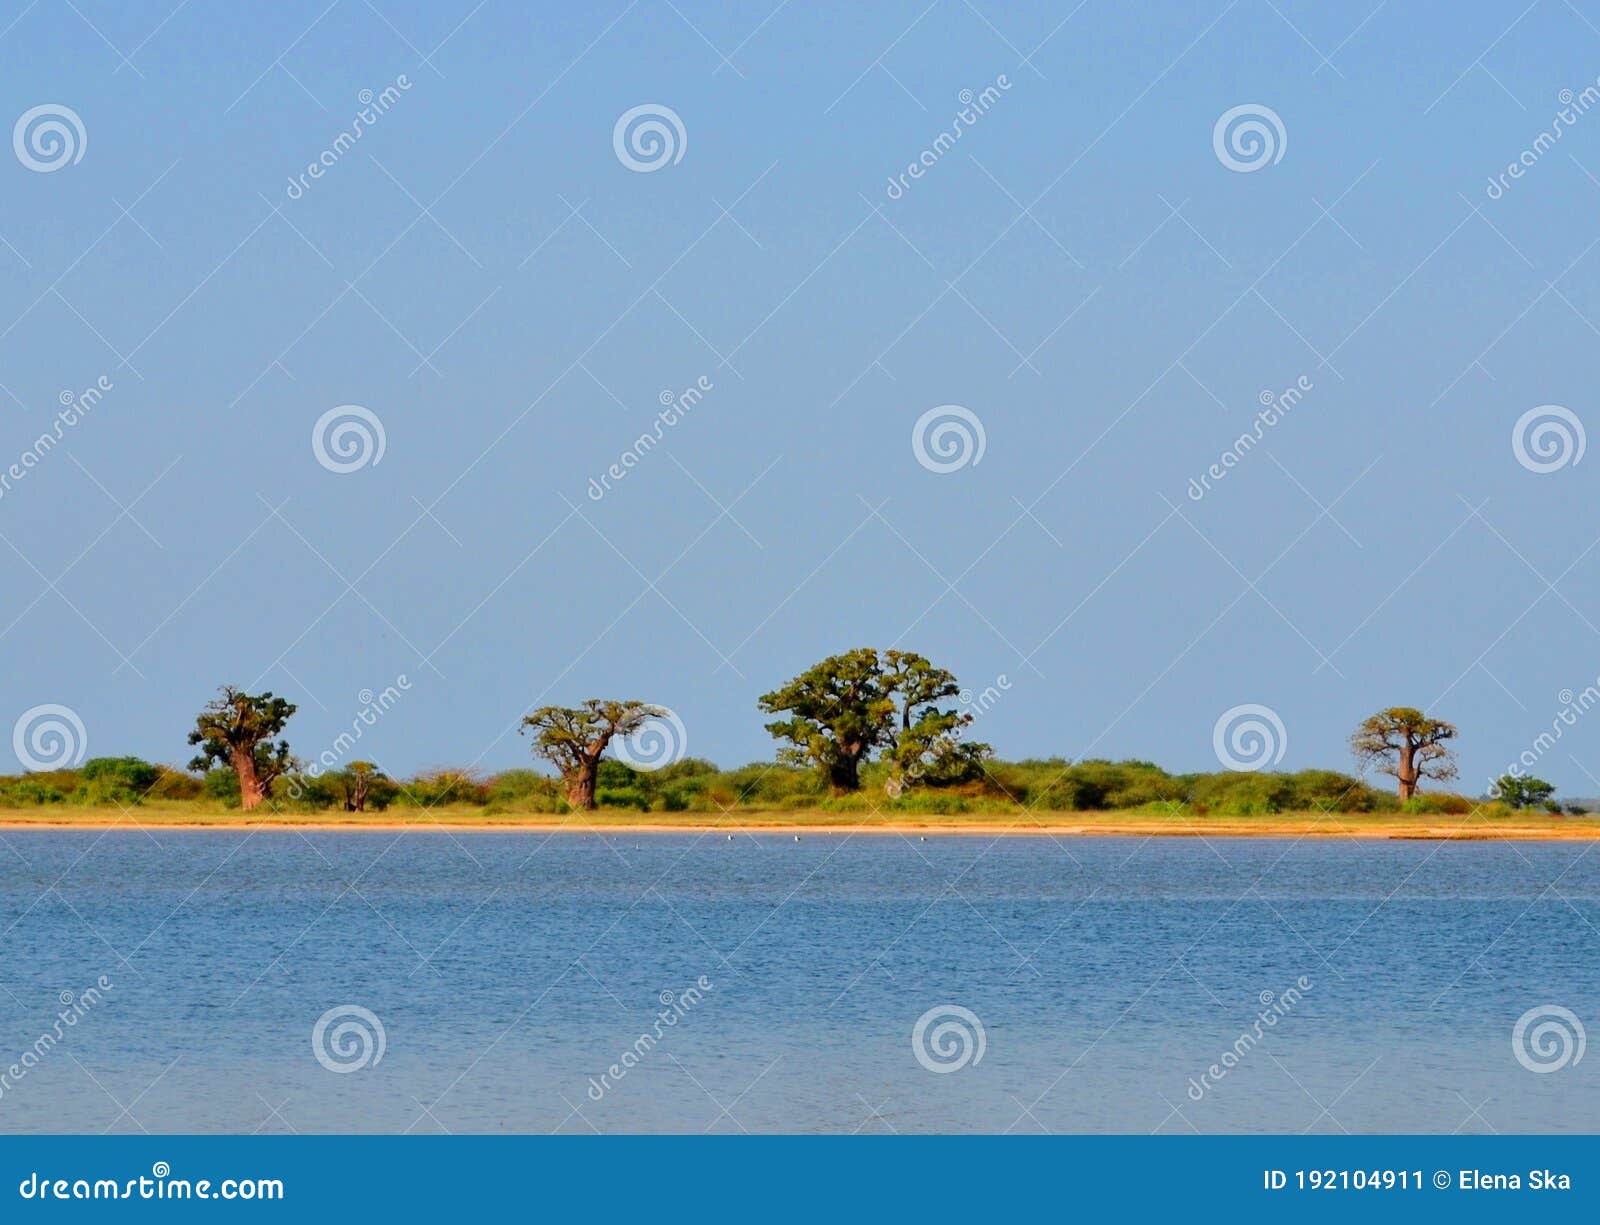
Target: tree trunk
{"x": 844, "y": 775}
{"x": 580, "y": 785}
{"x": 1406, "y": 772}
{"x": 251, "y": 790}
{"x": 359, "y": 801}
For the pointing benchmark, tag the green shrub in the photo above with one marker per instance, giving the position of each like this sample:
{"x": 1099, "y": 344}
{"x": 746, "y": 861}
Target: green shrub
{"x": 623, "y": 798}
{"x": 1439, "y": 804}
{"x": 25, "y": 793}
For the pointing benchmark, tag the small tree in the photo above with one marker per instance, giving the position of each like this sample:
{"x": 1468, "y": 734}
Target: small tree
{"x": 574, "y": 739}
{"x": 1524, "y": 791}
{"x": 356, "y": 783}
{"x": 1407, "y": 744}
{"x": 236, "y": 730}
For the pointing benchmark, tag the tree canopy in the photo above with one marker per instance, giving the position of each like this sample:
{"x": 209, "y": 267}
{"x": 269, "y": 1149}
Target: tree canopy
{"x": 1407, "y": 744}
{"x": 236, "y": 730}
{"x": 575, "y": 738}
{"x": 846, "y": 707}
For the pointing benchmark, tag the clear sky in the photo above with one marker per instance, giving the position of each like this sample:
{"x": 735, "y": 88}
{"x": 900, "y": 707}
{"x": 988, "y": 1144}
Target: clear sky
{"x": 1081, "y": 271}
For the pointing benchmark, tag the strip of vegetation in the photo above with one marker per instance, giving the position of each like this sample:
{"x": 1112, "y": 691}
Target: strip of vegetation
{"x": 862, "y": 732}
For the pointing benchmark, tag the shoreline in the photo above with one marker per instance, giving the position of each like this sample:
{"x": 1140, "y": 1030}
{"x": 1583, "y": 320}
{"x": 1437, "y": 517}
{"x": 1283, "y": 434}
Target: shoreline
{"x": 1075, "y": 825}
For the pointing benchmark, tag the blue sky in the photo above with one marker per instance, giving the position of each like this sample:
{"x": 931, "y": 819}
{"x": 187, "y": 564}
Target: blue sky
{"x": 1080, "y": 271}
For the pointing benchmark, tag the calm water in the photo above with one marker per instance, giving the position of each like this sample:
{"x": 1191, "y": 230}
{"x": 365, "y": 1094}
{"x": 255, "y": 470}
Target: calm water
{"x": 507, "y": 970}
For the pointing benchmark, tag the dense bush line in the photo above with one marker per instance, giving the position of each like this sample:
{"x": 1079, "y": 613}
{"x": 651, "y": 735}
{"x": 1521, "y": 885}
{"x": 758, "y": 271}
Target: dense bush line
{"x": 697, "y": 786}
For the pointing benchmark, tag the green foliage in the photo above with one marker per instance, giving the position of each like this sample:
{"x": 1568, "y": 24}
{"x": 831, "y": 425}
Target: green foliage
{"x": 848, "y": 707}
{"x": 221, "y": 785}
{"x": 1523, "y": 791}
{"x": 1439, "y": 804}
{"x": 443, "y": 786}
{"x": 28, "y": 792}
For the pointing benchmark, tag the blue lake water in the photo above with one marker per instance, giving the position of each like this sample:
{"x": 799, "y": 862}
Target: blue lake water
{"x": 509, "y": 972}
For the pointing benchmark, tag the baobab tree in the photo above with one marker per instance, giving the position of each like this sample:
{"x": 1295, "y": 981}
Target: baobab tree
{"x": 356, "y": 782}
{"x": 574, "y": 739}
{"x": 1407, "y": 744}
{"x": 848, "y": 706}
{"x": 236, "y": 730}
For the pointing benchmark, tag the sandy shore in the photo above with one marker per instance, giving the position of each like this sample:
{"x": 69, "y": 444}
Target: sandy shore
{"x": 1530, "y": 828}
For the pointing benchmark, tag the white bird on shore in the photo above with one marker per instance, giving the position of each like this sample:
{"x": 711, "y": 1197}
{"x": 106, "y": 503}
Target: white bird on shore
{"x": 797, "y": 837}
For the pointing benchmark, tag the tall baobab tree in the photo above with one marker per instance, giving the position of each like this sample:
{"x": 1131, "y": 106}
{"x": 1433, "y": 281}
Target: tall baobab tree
{"x": 574, "y": 739}
{"x": 236, "y": 730}
{"x": 1407, "y": 744}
